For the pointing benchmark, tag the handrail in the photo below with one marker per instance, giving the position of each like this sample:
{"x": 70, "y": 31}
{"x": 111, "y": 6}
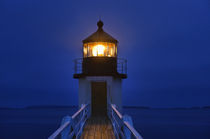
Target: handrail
{"x": 116, "y": 111}
{"x": 133, "y": 130}
{"x": 79, "y": 111}
{"x": 72, "y": 126}
{"x": 59, "y": 130}
{"x": 123, "y": 126}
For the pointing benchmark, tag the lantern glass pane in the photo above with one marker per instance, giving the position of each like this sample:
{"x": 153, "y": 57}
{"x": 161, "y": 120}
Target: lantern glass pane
{"x": 85, "y": 50}
{"x": 99, "y": 49}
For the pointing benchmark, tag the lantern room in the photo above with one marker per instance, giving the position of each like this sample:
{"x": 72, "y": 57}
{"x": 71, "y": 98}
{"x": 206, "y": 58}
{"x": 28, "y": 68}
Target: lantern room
{"x": 100, "y": 44}
{"x": 100, "y": 56}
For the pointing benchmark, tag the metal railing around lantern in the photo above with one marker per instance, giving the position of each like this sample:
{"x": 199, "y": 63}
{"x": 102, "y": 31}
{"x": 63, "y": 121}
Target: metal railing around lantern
{"x": 121, "y": 66}
{"x": 78, "y": 65}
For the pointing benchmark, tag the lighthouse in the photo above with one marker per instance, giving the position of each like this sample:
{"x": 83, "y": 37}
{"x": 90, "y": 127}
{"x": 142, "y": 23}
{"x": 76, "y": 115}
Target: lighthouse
{"x": 100, "y": 72}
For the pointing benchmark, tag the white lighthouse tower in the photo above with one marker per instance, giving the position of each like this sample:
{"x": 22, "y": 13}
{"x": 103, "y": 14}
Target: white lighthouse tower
{"x": 100, "y": 72}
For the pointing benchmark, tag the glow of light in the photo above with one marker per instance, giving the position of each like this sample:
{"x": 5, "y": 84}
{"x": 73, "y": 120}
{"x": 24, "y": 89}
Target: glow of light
{"x": 98, "y": 50}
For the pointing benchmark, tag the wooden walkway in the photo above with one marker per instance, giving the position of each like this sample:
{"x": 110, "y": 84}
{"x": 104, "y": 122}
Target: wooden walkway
{"x": 98, "y": 128}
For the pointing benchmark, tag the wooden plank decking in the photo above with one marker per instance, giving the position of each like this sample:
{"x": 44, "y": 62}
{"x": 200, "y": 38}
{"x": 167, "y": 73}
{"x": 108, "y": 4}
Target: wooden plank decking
{"x": 98, "y": 127}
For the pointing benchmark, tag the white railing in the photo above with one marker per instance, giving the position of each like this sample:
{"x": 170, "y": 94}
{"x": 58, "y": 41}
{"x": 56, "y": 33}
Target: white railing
{"x": 122, "y": 124}
{"x": 71, "y": 127}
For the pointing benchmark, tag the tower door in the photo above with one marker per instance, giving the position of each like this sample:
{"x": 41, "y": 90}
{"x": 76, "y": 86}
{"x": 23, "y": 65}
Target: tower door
{"x": 99, "y": 98}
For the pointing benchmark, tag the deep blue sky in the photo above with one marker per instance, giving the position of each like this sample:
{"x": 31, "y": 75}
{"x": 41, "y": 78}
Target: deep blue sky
{"x": 166, "y": 42}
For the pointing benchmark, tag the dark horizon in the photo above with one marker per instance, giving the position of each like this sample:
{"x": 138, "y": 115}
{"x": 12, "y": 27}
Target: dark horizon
{"x": 165, "y": 42}
{"x": 124, "y": 106}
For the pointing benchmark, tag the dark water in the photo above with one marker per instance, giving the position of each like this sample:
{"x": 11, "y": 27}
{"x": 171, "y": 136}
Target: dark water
{"x": 171, "y": 123}
{"x": 31, "y": 123}
{"x": 151, "y": 123}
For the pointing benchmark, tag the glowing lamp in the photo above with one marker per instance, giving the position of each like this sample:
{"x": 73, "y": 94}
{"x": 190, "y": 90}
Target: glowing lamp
{"x": 99, "y": 49}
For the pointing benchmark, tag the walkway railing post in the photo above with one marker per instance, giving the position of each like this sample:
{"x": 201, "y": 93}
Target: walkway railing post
{"x": 128, "y": 119}
{"x": 82, "y": 117}
{"x": 72, "y": 127}
{"x": 122, "y": 125}
{"x": 65, "y": 132}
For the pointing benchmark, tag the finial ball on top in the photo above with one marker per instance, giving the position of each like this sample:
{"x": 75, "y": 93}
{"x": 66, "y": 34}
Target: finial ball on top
{"x": 100, "y": 24}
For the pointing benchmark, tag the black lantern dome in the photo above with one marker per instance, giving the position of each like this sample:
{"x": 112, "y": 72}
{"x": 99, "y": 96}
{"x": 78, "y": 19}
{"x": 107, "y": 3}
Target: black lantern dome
{"x": 100, "y": 35}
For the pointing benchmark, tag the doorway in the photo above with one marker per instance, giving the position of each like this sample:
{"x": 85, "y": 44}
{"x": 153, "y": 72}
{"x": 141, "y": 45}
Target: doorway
{"x": 99, "y": 98}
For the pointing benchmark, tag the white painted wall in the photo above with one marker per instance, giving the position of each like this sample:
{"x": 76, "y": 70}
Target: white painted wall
{"x": 114, "y": 89}
{"x": 84, "y": 91}
{"x": 116, "y": 93}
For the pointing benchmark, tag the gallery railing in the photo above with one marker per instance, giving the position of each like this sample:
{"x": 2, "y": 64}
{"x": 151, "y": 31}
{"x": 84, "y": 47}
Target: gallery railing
{"x": 121, "y": 66}
{"x": 71, "y": 127}
{"x": 78, "y": 65}
{"x": 122, "y": 124}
